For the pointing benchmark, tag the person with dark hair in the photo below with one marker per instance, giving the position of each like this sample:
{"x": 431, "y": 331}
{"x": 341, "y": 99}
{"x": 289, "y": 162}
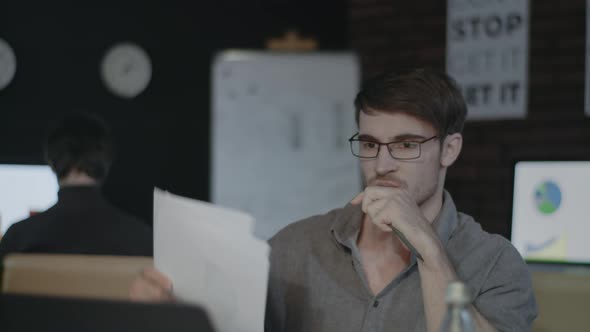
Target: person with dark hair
{"x": 79, "y": 150}
{"x": 383, "y": 261}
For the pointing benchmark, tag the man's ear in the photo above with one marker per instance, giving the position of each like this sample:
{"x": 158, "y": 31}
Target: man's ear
{"x": 451, "y": 149}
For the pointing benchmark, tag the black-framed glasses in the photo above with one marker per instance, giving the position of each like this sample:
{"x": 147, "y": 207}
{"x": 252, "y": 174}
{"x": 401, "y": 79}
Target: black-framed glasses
{"x": 401, "y": 150}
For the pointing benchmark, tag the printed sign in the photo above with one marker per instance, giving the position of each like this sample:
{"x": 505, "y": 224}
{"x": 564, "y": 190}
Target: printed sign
{"x": 487, "y": 53}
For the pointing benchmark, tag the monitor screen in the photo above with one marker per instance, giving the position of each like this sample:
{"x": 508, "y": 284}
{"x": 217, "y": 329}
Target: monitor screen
{"x": 550, "y": 220}
{"x": 24, "y": 191}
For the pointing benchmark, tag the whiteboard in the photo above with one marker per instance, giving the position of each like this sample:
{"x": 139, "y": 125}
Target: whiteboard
{"x": 280, "y": 124}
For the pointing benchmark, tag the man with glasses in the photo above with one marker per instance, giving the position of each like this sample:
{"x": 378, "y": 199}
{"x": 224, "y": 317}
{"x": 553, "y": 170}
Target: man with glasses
{"x": 382, "y": 262}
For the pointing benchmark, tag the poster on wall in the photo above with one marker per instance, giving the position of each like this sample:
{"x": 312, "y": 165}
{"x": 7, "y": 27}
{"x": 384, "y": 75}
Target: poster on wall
{"x": 487, "y": 53}
{"x": 280, "y": 129}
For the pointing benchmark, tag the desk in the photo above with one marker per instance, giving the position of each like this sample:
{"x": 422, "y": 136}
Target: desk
{"x": 564, "y": 301}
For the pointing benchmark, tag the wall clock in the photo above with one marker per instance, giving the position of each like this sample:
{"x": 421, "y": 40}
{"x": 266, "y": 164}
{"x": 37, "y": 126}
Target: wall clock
{"x": 7, "y": 64}
{"x": 126, "y": 70}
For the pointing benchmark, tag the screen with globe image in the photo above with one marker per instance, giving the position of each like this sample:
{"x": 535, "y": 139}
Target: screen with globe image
{"x": 550, "y": 220}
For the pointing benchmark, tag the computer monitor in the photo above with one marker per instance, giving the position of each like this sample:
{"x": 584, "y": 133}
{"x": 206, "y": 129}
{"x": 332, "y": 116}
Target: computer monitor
{"x": 550, "y": 219}
{"x": 25, "y": 190}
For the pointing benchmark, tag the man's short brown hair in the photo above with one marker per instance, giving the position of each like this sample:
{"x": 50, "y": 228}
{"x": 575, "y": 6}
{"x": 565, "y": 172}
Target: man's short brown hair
{"x": 429, "y": 95}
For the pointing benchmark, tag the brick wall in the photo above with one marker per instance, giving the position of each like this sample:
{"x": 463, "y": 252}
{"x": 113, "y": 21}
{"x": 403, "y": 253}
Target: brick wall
{"x": 401, "y": 34}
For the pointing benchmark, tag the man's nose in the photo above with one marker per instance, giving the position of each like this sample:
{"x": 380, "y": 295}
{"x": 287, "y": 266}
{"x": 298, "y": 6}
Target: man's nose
{"x": 385, "y": 163}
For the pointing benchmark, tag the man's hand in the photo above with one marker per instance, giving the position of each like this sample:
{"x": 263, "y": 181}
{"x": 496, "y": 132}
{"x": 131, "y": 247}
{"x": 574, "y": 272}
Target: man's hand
{"x": 151, "y": 286}
{"x": 391, "y": 207}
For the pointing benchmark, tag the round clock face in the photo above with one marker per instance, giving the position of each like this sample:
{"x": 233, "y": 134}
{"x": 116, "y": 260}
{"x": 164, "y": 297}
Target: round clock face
{"x": 126, "y": 70}
{"x": 7, "y": 64}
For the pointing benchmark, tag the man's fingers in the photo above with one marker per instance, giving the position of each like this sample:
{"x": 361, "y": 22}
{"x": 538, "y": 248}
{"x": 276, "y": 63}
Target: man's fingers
{"x": 371, "y": 193}
{"x": 370, "y": 198}
{"x": 143, "y": 290}
{"x": 382, "y": 223}
{"x": 358, "y": 198}
{"x": 151, "y": 286}
{"x": 372, "y": 207}
{"x": 378, "y": 214}
{"x": 365, "y": 198}
{"x": 156, "y": 277}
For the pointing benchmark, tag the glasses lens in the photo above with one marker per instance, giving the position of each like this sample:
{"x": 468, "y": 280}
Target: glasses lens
{"x": 405, "y": 150}
{"x": 364, "y": 149}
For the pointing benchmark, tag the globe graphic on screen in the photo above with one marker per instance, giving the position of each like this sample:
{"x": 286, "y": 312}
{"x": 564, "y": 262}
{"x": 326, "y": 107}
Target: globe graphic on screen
{"x": 547, "y": 197}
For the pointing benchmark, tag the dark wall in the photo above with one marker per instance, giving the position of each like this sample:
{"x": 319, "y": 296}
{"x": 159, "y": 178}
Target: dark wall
{"x": 400, "y": 34}
{"x": 163, "y": 134}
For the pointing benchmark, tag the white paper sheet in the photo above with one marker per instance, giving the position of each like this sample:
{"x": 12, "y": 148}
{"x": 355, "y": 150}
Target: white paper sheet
{"x": 213, "y": 260}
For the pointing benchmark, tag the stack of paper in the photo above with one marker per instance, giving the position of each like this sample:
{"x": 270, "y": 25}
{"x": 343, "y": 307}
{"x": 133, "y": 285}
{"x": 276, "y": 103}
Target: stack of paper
{"x": 212, "y": 259}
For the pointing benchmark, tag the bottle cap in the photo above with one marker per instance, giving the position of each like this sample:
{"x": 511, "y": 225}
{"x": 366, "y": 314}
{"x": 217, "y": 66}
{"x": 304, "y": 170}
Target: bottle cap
{"x": 457, "y": 293}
